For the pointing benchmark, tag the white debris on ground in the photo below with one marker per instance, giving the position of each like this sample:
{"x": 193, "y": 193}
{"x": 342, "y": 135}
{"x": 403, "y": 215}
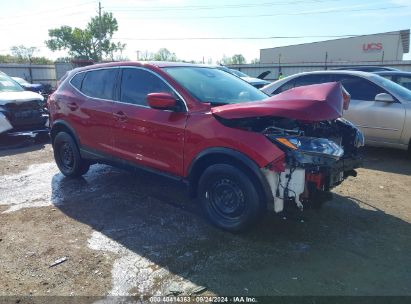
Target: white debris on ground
{"x": 31, "y": 188}
{"x": 131, "y": 271}
{"x": 41, "y": 186}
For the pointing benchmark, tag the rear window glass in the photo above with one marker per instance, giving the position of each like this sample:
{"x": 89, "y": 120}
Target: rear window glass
{"x": 77, "y": 80}
{"x": 100, "y": 83}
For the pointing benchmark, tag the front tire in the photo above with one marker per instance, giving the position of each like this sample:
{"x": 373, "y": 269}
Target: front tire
{"x": 67, "y": 156}
{"x": 229, "y": 198}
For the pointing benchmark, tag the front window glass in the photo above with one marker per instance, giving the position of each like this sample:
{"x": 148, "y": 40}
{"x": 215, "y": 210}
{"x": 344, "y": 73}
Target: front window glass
{"x": 394, "y": 88}
{"x": 214, "y": 86}
{"x": 360, "y": 88}
{"x": 9, "y": 85}
{"x": 137, "y": 83}
{"x": 405, "y": 81}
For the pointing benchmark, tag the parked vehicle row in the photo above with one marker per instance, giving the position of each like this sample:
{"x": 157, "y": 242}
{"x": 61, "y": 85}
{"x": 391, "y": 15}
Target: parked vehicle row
{"x": 239, "y": 151}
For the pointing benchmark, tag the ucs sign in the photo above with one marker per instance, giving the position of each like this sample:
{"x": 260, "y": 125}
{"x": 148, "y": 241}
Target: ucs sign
{"x": 372, "y": 47}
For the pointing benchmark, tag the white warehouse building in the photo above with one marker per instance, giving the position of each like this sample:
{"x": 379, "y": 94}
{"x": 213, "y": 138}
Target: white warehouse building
{"x": 381, "y": 47}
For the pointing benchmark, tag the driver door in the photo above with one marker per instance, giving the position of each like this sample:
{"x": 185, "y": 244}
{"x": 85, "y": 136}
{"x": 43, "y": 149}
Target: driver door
{"x": 379, "y": 121}
{"x": 148, "y": 137}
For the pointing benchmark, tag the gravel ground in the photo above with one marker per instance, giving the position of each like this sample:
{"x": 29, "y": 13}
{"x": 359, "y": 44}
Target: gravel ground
{"x": 139, "y": 234}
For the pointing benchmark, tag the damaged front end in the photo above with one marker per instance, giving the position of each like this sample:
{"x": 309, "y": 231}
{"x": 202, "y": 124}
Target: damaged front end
{"x": 316, "y": 159}
{"x": 23, "y": 118}
{"x": 320, "y": 148}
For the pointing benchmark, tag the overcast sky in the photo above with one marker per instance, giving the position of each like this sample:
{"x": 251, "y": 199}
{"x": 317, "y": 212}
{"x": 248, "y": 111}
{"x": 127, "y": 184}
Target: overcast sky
{"x": 24, "y": 22}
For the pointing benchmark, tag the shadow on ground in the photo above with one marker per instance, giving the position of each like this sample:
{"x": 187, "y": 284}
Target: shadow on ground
{"x": 12, "y": 145}
{"x": 388, "y": 160}
{"x": 347, "y": 248}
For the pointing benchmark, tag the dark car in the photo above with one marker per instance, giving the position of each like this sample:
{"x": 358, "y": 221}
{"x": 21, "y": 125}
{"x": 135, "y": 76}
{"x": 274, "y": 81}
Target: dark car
{"x": 366, "y": 68}
{"x": 43, "y": 89}
{"x": 400, "y": 77}
{"x": 255, "y": 82}
{"x": 34, "y": 87}
{"x": 239, "y": 151}
{"x": 21, "y": 111}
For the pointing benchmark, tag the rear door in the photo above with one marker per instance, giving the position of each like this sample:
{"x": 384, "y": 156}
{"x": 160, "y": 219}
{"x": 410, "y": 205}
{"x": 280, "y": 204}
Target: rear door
{"x": 149, "y": 137}
{"x": 379, "y": 121}
{"x": 94, "y": 111}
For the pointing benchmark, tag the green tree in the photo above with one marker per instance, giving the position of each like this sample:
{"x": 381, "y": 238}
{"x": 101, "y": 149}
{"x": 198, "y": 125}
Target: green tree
{"x": 238, "y": 59}
{"x": 225, "y": 60}
{"x": 23, "y": 53}
{"x": 92, "y": 43}
{"x": 164, "y": 54}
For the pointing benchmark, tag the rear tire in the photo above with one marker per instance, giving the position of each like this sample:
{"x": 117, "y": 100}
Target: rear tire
{"x": 229, "y": 198}
{"x": 67, "y": 156}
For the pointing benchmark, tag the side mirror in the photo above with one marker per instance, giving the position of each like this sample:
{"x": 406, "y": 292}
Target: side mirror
{"x": 161, "y": 101}
{"x": 384, "y": 97}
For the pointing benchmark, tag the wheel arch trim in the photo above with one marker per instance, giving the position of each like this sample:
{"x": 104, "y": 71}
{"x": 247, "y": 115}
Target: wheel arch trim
{"x": 62, "y": 123}
{"x": 193, "y": 176}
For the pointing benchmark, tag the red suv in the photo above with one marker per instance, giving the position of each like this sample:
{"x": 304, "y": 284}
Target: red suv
{"x": 239, "y": 151}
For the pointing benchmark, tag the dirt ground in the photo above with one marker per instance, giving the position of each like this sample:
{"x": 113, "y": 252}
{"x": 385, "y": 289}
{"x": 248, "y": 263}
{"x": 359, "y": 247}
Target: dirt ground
{"x": 139, "y": 234}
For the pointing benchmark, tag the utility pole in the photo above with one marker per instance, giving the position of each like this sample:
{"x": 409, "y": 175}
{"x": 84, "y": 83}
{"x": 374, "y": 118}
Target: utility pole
{"x": 326, "y": 60}
{"x": 99, "y": 32}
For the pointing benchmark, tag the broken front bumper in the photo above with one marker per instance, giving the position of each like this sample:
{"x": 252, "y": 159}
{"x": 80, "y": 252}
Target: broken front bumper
{"x": 308, "y": 185}
{"x": 30, "y": 130}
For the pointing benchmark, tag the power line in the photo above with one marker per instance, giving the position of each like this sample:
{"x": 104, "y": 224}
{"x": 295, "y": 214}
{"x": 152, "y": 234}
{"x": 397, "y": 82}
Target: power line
{"x": 46, "y": 11}
{"x": 250, "y": 38}
{"x": 336, "y": 10}
{"x": 208, "y": 7}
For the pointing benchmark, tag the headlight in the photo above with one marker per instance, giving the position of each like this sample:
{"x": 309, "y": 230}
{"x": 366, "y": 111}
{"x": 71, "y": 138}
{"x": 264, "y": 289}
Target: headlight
{"x": 359, "y": 139}
{"x": 310, "y": 149}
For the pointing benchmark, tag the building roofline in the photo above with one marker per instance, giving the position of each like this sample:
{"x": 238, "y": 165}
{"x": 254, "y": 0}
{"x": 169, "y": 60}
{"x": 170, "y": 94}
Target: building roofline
{"x": 404, "y": 34}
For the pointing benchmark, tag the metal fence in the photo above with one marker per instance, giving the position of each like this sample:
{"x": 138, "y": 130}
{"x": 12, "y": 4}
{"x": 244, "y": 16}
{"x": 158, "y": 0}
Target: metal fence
{"x": 34, "y": 73}
{"x": 293, "y": 68}
{"x": 50, "y": 74}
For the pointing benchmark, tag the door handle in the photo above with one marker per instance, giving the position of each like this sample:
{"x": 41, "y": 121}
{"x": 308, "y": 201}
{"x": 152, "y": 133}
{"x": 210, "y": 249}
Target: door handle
{"x": 72, "y": 106}
{"x": 121, "y": 116}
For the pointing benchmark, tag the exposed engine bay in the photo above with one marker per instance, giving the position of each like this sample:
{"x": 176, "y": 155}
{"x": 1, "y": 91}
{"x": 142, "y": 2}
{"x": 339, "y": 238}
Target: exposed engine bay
{"x": 317, "y": 157}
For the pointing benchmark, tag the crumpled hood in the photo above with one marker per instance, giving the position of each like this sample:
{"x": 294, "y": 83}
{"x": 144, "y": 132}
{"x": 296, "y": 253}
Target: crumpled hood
{"x": 18, "y": 97}
{"x": 317, "y": 102}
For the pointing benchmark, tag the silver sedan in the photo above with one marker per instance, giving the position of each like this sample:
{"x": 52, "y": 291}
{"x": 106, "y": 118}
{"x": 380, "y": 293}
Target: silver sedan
{"x": 379, "y": 107}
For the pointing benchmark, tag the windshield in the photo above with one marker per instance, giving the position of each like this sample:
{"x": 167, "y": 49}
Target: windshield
{"x": 20, "y": 80}
{"x": 393, "y": 88}
{"x": 214, "y": 86}
{"x": 9, "y": 85}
